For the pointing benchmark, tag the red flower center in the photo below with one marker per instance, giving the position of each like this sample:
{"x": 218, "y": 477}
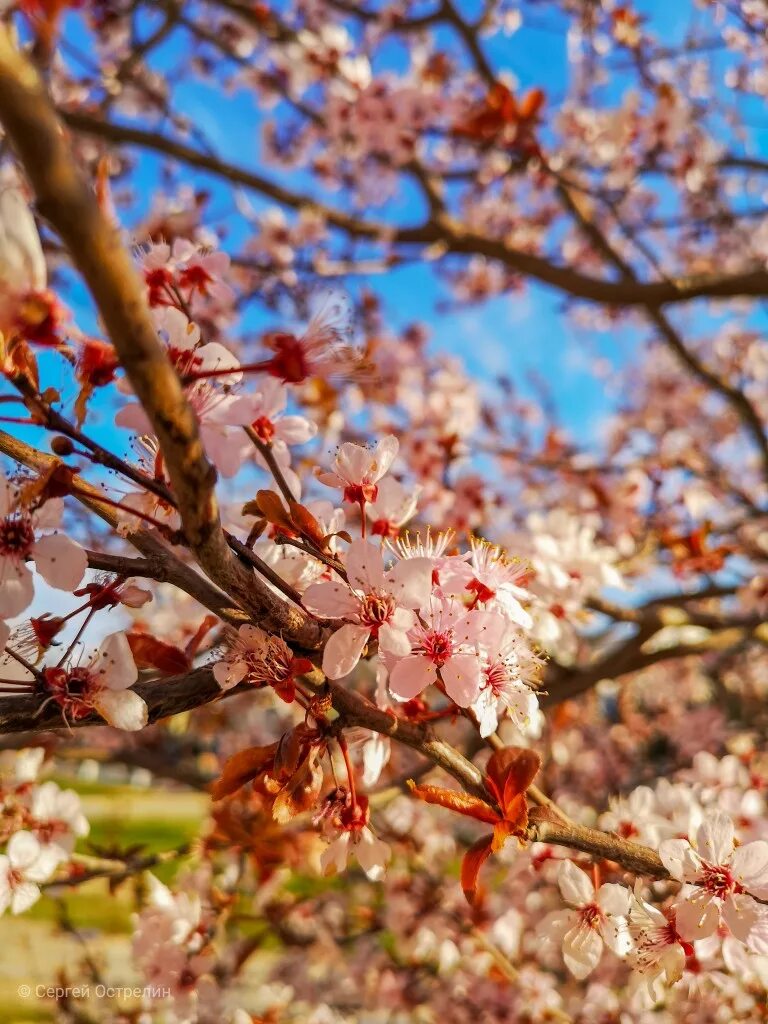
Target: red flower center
{"x": 16, "y": 537}
{"x": 718, "y": 880}
{"x": 377, "y": 609}
{"x": 264, "y": 429}
{"x": 438, "y": 647}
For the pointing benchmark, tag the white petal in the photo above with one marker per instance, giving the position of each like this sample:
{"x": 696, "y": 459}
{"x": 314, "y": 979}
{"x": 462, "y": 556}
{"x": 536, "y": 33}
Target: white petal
{"x": 461, "y": 675}
{"x": 697, "y": 914}
{"x": 123, "y": 709}
{"x": 394, "y": 641}
{"x": 749, "y": 865}
{"x": 673, "y": 853}
{"x": 342, "y": 652}
{"x": 613, "y": 899}
{"x": 23, "y": 895}
{"x": 576, "y": 886}
{"x": 582, "y": 949}
{"x": 23, "y": 850}
{"x": 714, "y": 838}
{"x": 742, "y": 915}
{"x": 372, "y": 854}
{"x": 16, "y": 587}
{"x": 114, "y": 664}
{"x": 60, "y": 561}
{"x": 616, "y": 935}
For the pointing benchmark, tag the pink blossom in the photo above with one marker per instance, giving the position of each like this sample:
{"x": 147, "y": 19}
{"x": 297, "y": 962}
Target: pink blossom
{"x": 719, "y": 879}
{"x": 371, "y": 852}
{"x": 659, "y": 949}
{"x": 103, "y": 685}
{"x": 394, "y": 505}
{"x": 377, "y": 603}
{"x": 24, "y": 864}
{"x": 597, "y": 918}
{"x": 59, "y": 560}
{"x": 442, "y": 641}
{"x": 358, "y": 469}
{"x": 58, "y": 819}
{"x": 493, "y": 581}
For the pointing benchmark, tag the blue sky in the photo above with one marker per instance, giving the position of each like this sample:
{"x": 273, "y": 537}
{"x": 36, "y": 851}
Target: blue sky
{"x": 521, "y": 333}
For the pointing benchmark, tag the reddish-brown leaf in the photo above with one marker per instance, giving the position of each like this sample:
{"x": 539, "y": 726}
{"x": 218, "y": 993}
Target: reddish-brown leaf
{"x": 300, "y": 791}
{"x": 455, "y": 800}
{"x": 193, "y": 645}
{"x": 242, "y": 767}
{"x": 306, "y": 524}
{"x": 509, "y": 773}
{"x": 273, "y": 510}
{"x": 148, "y": 652}
{"x": 474, "y": 859}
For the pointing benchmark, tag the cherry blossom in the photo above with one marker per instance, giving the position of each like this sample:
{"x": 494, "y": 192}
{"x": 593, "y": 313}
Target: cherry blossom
{"x": 599, "y": 917}
{"x": 59, "y": 819}
{"x": 357, "y": 470}
{"x": 24, "y": 865}
{"x": 377, "y": 604}
{"x": 442, "y": 641}
{"x": 719, "y": 879}
{"x": 59, "y": 559}
{"x": 103, "y": 685}
{"x": 658, "y": 948}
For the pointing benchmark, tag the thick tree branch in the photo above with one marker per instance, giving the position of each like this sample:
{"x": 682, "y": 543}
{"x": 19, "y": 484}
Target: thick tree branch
{"x": 68, "y": 203}
{"x": 165, "y": 565}
{"x": 455, "y": 237}
{"x": 171, "y": 696}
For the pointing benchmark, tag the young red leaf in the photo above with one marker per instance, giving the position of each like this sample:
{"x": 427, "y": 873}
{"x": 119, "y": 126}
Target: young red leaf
{"x": 455, "y": 800}
{"x": 149, "y": 652}
{"x": 510, "y": 772}
{"x": 242, "y": 767}
{"x": 474, "y": 859}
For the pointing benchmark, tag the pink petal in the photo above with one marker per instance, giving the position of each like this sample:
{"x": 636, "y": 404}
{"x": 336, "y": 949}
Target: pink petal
{"x": 410, "y": 582}
{"x": 228, "y": 674}
{"x": 411, "y": 675}
{"x": 334, "y": 600}
{"x": 365, "y": 566}
{"x": 461, "y": 675}
{"x": 60, "y": 561}
{"x": 343, "y": 650}
{"x": 697, "y": 915}
{"x": 394, "y": 641}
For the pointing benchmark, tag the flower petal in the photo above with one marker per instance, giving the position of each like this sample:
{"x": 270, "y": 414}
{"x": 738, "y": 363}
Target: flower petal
{"x": 123, "y": 709}
{"x": 576, "y": 886}
{"x": 461, "y": 676}
{"x": 343, "y": 650}
{"x": 714, "y": 838}
{"x": 411, "y": 675}
{"x": 60, "y": 561}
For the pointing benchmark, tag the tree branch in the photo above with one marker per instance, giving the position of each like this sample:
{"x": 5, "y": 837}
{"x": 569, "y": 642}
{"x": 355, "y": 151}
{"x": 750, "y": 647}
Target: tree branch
{"x": 68, "y": 203}
{"x": 454, "y": 236}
